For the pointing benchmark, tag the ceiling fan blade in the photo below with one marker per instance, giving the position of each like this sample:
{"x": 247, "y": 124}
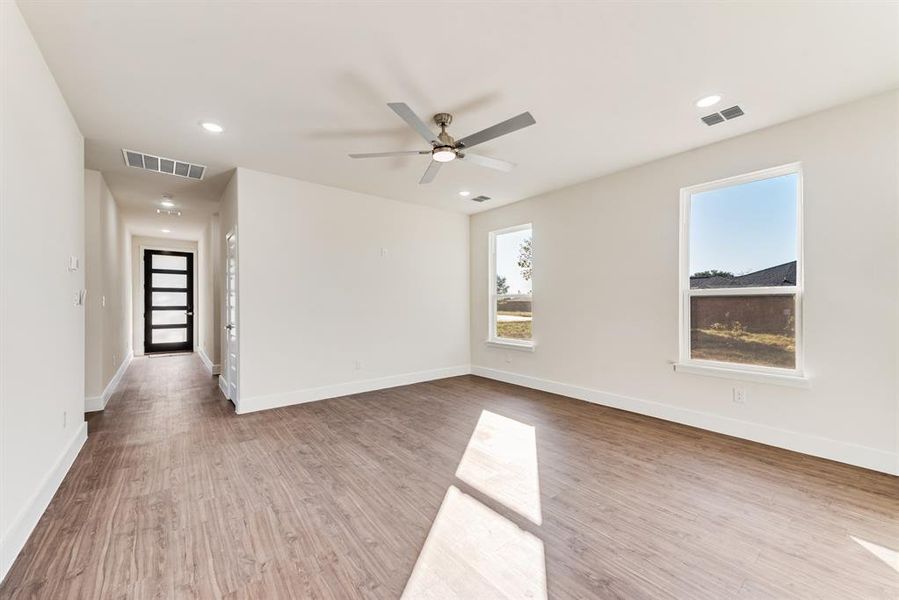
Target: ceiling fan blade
{"x": 405, "y": 113}
{"x": 386, "y": 154}
{"x": 508, "y": 126}
{"x": 431, "y": 173}
{"x": 486, "y": 161}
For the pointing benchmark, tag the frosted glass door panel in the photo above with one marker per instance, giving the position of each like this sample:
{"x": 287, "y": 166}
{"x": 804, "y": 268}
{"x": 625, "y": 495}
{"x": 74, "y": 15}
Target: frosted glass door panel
{"x": 169, "y": 317}
{"x": 169, "y": 336}
{"x": 169, "y": 280}
{"x": 165, "y": 261}
{"x": 169, "y": 299}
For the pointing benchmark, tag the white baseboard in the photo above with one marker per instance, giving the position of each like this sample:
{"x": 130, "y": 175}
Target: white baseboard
{"x": 213, "y": 368}
{"x": 223, "y": 385}
{"x": 248, "y": 405}
{"x": 15, "y": 537}
{"x": 853, "y": 454}
{"x": 95, "y": 403}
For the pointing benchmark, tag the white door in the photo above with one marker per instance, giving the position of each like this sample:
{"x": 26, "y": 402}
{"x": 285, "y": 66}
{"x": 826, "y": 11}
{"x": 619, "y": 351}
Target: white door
{"x": 231, "y": 355}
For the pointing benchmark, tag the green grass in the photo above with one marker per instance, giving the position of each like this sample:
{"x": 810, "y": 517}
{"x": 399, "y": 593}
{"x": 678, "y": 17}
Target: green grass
{"x": 744, "y": 347}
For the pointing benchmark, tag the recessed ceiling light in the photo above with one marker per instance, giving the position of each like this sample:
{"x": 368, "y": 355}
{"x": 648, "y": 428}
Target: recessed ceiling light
{"x": 464, "y": 193}
{"x": 708, "y": 101}
{"x": 212, "y": 127}
{"x": 167, "y": 203}
{"x": 166, "y": 230}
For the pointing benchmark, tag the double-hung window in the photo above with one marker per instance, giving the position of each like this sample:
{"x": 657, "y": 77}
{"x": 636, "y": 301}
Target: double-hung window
{"x": 511, "y": 290}
{"x": 741, "y": 275}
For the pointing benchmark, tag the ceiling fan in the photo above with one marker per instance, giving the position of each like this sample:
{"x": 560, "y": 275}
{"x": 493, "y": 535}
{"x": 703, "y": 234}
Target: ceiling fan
{"x": 444, "y": 148}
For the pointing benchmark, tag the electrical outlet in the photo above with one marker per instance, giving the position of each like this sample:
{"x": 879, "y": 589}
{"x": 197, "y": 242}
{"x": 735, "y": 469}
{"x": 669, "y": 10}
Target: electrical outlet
{"x": 103, "y": 301}
{"x": 739, "y": 396}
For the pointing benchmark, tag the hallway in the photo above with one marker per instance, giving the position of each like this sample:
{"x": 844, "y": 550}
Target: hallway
{"x": 175, "y": 496}
{"x": 127, "y": 491}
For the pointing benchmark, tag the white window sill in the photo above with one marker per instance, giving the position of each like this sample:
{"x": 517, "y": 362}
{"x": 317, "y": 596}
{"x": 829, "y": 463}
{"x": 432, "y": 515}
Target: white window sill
{"x": 512, "y": 344}
{"x": 798, "y": 381}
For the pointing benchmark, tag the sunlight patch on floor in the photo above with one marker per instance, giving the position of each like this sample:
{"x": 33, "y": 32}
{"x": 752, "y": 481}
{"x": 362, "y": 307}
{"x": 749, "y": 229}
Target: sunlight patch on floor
{"x": 890, "y": 557}
{"x": 473, "y": 552}
{"x": 500, "y": 461}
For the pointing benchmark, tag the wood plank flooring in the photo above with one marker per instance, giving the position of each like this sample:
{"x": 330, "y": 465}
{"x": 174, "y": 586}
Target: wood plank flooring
{"x": 463, "y": 487}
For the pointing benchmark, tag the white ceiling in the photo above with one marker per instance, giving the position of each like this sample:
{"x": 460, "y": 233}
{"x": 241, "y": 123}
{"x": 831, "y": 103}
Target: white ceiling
{"x": 139, "y": 193}
{"x": 299, "y": 85}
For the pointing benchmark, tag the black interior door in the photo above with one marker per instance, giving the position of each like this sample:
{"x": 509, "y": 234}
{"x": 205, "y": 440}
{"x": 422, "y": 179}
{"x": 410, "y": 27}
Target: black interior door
{"x": 168, "y": 301}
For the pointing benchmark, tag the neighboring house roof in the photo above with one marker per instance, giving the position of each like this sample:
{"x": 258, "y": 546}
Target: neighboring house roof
{"x": 784, "y": 274}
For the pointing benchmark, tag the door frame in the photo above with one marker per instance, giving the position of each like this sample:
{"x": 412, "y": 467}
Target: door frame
{"x": 139, "y": 303}
{"x": 190, "y": 307}
{"x": 229, "y": 376}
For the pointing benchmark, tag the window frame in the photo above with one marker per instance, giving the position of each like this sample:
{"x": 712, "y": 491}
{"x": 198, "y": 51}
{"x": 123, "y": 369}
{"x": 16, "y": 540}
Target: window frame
{"x": 794, "y": 376}
{"x": 492, "y": 338}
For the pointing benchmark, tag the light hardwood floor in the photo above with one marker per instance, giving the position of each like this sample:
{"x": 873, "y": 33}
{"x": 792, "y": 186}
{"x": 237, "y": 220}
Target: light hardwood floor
{"x": 462, "y": 487}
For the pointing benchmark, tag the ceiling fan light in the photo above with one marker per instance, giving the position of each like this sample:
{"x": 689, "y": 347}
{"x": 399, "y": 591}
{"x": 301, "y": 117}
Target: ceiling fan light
{"x": 443, "y": 154}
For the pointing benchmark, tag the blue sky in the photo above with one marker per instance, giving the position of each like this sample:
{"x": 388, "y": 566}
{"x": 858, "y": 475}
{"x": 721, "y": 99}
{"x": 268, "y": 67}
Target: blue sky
{"x": 744, "y": 228}
{"x": 507, "y": 246}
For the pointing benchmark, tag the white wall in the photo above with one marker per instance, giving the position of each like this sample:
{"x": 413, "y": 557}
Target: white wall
{"x": 107, "y": 330}
{"x": 136, "y": 276}
{"x": 41, "y": 329}
{"x": 329, "y": 278}
{"x": 606, "y": 289}
{"x": 93, "y": 283}
{"x": 209, "y": 269}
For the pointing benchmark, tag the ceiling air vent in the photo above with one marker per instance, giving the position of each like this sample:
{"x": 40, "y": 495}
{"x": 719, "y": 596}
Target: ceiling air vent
{"x": 713, "y": 119}
{"x": 158, "y": 164}
{"x": 732, "y": 113}
{"x": 480, "y": 198}
{"x": 728, "y": 113}
{"x": 134, "y": 159}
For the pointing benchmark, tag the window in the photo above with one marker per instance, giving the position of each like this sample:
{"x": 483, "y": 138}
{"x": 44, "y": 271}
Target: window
{"x": 741, "y": 273}
{"x": 511, "y": 293}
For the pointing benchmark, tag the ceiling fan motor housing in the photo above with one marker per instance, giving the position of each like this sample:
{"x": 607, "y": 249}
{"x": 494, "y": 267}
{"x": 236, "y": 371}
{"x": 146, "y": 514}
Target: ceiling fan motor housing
{"x": 443, "y": 119}
{"x": 447, "y": 143}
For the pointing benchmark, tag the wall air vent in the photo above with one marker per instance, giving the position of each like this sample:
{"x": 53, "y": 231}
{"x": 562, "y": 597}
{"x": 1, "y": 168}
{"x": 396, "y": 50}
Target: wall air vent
{"x": 480, "y": 199}
{"x": 158, "y": 164}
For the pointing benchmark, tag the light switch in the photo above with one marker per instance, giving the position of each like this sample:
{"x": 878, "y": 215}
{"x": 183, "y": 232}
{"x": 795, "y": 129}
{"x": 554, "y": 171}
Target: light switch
{"x": 103, "y": 301}
{"x": 73, "y": 263}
